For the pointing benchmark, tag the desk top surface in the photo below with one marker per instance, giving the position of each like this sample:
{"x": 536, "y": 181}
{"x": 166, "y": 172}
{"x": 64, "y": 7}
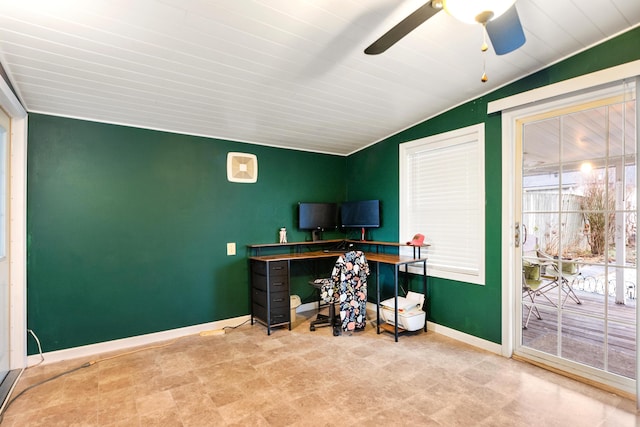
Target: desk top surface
{"x": 371, "y": 257}
{"x": 324, "y": 242}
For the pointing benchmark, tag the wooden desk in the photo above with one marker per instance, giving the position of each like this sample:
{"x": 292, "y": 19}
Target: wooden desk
{"x": 293, "y": 246}
{"x": 397, "y": 262}
{"x": 270, "y": 279}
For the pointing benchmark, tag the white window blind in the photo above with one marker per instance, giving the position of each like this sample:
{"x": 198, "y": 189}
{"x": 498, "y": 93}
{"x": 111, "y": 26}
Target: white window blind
{"x": 442, "y": 196}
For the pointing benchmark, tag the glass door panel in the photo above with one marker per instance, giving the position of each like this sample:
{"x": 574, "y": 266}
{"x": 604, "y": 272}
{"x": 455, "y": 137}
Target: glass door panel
{"x": 578, "y": 255}
{"x": 4, "y": 260}
{"x": 583, "y": 339}
{"x": 540, "y": 333}
{"x": 621, "y": 349}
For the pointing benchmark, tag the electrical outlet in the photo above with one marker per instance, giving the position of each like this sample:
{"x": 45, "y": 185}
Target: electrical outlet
{"x": 231, "y": 248}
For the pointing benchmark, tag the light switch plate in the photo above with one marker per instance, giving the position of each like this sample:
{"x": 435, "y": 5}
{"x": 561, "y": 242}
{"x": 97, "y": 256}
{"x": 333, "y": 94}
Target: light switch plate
{"x": 231, "y": 248}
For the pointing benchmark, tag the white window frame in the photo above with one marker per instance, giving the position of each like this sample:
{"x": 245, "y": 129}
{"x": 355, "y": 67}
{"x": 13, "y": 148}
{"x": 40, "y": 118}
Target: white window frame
{"x": 445, "y": 231}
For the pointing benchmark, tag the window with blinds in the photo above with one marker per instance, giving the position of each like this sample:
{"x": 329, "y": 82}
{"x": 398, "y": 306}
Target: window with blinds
{"x": 442, "y": 196}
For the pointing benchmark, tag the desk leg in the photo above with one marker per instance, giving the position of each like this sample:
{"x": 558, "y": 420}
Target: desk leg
{"x": 395, "y": 296}
{"x": 289, "y": 286}
{"x": 268, "y": 300}
{"x": 378, "y": 298}
{"x": 424, "y": 285}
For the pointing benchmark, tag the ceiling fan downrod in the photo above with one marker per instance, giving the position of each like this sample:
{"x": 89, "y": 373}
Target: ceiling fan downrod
{"x": 484, "y": 47}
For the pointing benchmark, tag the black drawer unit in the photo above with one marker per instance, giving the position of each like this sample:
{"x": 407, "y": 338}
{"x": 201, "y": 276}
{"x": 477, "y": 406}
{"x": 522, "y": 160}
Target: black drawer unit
{"x": 270, "y": 300}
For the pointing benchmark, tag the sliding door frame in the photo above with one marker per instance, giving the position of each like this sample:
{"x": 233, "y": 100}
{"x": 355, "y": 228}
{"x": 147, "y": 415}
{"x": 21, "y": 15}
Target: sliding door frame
{"x": 513, "y": 108}
{"x": 17, "y": 215}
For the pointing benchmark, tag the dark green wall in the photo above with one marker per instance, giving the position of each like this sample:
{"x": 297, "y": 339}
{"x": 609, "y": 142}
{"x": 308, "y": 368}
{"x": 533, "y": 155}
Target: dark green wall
{"x": 469, "y": 308}
{"x": 127, "y": 228}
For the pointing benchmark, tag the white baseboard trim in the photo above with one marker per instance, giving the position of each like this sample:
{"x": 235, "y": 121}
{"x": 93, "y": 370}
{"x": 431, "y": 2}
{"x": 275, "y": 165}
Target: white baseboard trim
{"x": 148, "y": 339}
{"x": 127, "y": 343}
{"x": 310, "y": 306}
{"x": 465, "y": 338}
{"x": 451, "y": 333}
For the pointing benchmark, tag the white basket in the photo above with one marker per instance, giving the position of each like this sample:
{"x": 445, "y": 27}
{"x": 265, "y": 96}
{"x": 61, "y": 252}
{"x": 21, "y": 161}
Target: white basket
{"x": 409, "y": 320}
{"x": 410, "y": 314}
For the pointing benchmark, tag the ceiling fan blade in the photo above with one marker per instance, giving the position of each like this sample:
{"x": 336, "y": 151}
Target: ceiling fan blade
{"x": 505, "y": 32}
{"x": 403, "y": 28}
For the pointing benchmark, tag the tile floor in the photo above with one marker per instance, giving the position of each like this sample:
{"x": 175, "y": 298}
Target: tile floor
{"x": 303, "y": 378}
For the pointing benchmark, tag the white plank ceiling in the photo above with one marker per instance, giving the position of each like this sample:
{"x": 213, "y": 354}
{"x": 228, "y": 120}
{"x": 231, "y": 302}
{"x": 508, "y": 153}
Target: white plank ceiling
{"x": 283, "y": 73}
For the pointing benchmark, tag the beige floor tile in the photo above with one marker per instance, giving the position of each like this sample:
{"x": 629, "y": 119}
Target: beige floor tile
{"x": 159, "y": 401}
{"x": 303, "y": 378}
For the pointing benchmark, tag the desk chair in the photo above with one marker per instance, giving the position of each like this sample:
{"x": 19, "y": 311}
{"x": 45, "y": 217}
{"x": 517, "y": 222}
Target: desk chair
{"x": 347, "y": 286}
{"x": 327, "y": 297}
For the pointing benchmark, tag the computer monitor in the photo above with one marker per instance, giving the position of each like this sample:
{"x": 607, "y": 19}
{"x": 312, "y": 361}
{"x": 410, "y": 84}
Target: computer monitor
{"x": 360, "y": 214}
{"x": 317, "y": 217}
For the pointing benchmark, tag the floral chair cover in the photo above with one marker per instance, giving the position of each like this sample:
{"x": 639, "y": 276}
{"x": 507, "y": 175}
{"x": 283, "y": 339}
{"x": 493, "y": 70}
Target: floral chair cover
{"x": 348, "y": 285}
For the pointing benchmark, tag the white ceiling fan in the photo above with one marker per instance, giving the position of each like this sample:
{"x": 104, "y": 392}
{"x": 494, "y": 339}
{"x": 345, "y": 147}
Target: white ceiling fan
{"x": 499, "y": 18}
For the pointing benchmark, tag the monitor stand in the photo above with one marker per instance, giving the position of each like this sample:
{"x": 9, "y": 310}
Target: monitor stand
{"x": 316, "y": 235}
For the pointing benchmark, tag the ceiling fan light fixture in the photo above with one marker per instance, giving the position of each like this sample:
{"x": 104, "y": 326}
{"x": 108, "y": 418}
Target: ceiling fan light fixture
{"x": 474, "y": 11}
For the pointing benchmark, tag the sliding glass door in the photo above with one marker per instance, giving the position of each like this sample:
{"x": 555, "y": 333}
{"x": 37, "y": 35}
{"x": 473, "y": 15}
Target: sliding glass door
{"x": 578, "y": 212}
{"x": 4, "y": 259}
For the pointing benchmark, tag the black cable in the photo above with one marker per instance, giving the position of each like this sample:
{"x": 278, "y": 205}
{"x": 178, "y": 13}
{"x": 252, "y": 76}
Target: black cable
{"x": 84, "y": 365}
{"x": 237, "y": 326}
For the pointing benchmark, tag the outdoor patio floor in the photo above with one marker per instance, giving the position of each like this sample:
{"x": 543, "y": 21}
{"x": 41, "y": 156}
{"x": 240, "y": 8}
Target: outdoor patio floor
{"x": 584, "y": 331}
